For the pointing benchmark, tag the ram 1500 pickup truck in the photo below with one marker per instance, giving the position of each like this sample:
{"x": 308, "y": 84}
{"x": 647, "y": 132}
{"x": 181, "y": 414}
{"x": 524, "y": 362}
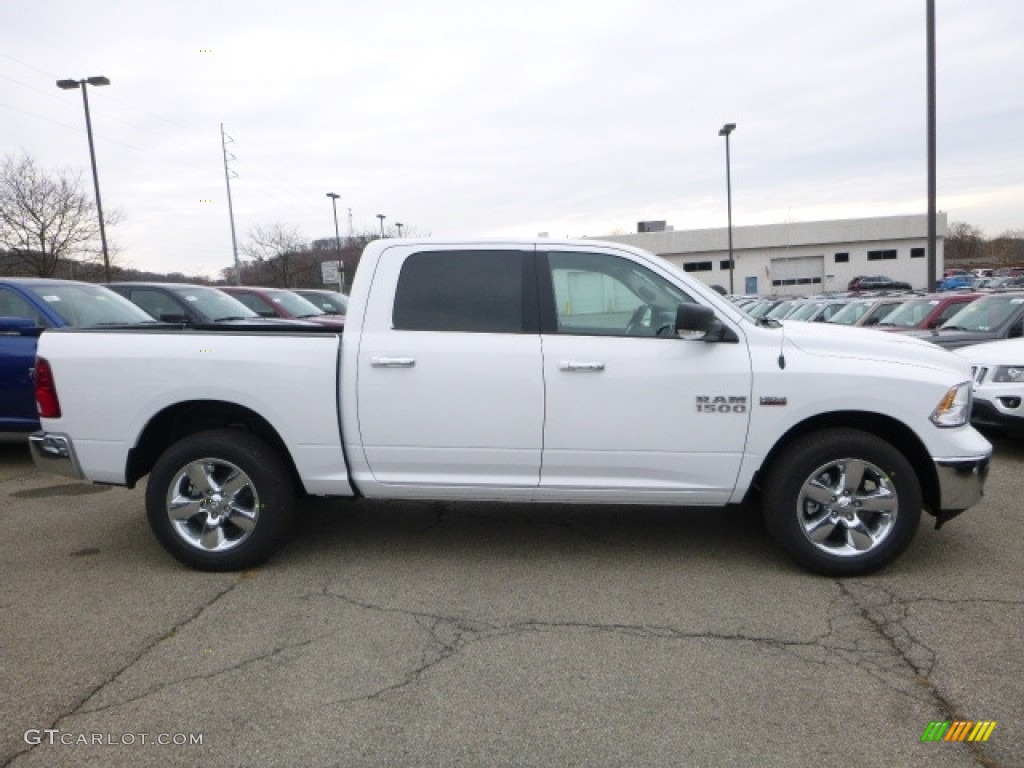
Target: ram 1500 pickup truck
{"x": 519, "y": 370}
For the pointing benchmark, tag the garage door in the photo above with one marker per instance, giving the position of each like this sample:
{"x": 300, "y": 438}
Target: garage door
{"x": 793, "y": 276}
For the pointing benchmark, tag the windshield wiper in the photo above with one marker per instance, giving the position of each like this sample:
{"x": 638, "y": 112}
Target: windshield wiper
{"x": 124, "y": 322}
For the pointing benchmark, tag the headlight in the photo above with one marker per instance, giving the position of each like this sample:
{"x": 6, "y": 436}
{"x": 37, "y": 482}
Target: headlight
{"x": 955, "y": 407}
{"x": 1008, "y": 373}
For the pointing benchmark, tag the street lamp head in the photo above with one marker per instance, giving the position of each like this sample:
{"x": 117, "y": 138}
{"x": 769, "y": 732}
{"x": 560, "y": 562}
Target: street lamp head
{"x": 333, "y": 196}
{"x": 727, "y": 129}
{"x": 70, "y": 85}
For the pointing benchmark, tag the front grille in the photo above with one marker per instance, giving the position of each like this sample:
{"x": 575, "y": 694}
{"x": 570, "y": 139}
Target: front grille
{"x": 978, "y": 373}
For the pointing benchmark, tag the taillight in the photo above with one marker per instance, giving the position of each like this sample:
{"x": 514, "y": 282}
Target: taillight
{"x": 46, "y": 391}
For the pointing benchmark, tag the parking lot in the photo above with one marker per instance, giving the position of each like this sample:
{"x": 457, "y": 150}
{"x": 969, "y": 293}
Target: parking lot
{"x": 476, "y": 635}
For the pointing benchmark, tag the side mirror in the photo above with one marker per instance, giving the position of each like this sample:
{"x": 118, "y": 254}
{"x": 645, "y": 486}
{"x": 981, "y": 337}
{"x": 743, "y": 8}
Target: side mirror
{"x": 695, "y": 322}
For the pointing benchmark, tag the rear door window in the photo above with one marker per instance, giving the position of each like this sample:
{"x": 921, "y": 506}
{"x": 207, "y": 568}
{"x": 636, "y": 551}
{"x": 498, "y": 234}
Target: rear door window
{"x": 467, "y": 291}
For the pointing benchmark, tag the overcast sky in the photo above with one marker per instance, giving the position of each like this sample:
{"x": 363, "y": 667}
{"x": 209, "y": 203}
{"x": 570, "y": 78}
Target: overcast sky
{"x": 513, "y": 117}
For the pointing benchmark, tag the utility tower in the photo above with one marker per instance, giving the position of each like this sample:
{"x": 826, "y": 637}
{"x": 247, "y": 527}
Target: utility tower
{"x": 229, "y": 174}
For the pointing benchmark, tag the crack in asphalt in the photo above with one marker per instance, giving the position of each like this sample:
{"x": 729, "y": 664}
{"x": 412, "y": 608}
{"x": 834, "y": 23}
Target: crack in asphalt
{"x": 452, "y": 634}
{"x": 899, "y": 650}
{"x": 274, "y": 652}
{"x": 79, "y": 706}
{"x": 887, "y": 616}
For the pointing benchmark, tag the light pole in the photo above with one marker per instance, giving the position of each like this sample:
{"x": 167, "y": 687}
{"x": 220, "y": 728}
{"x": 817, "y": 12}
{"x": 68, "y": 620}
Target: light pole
{"x": 725, "y": 131}
{"x": 381, "y": 216}
{"x": 930, "y": 53}
{"x": 69, "y": 85}
{"x": 398, "y": 226}
{"x": 337, "y": 240}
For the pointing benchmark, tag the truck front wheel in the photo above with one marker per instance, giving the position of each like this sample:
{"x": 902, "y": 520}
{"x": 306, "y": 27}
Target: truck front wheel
{"x": 220, "y": 500}
{"x": 842, "y": 502}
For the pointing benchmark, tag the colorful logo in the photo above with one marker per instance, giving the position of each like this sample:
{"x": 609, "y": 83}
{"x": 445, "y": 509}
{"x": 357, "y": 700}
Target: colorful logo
{"x": 958, "y": 730}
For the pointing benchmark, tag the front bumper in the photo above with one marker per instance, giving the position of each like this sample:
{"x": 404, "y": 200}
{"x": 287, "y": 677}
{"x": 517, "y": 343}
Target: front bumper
{"x": 961, "y": 484}
{"x": 1003, "y": 413}
{"x": 55, "y": 453}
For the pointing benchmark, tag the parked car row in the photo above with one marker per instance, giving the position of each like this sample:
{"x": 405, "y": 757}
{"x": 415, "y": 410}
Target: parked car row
{"x": 28, "y": 306}
{"x": 985, "y": 328}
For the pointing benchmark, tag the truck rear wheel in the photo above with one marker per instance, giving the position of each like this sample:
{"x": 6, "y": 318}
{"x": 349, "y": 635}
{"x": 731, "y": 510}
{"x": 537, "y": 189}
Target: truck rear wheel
{"x": 842, "y": 502}
{"x": 220, "y": 500}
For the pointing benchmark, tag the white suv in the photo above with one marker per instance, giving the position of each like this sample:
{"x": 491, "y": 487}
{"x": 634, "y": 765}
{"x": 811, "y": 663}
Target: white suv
{"x": 998, "y": 371}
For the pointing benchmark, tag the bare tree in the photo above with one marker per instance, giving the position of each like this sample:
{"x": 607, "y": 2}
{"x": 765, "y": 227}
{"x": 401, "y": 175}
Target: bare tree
{"x": 44, "y": 218}
{"x": 964, "y": 244}
{"x": 279, "y": 253}
{"x": 1007, "y": 249}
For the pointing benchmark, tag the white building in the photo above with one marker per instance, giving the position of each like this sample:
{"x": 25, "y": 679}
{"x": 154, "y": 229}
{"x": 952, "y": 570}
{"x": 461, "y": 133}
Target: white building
{"x": 801, "y": 257}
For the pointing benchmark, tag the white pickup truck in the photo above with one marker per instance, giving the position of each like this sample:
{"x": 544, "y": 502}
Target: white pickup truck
{"x": 520, "y": 370}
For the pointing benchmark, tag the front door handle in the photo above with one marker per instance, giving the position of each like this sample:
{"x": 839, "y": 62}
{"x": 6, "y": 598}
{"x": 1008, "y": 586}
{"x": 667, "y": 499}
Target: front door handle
{"x": 577, "y": 366}
{"x": 392, "y": 362}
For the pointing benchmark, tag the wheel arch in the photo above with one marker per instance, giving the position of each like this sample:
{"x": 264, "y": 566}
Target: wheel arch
{"x": 893, "y": 431}
{"x": 185, "y": 418}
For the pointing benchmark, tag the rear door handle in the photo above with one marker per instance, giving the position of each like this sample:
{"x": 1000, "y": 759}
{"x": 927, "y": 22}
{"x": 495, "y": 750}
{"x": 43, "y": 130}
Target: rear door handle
{"x": 392, "y": 362}
{"x": 578, "y": 366}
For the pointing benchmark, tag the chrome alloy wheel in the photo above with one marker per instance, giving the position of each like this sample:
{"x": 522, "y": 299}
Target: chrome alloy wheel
{"x": 212, "y": 505}
{"x": 847, "y": 507}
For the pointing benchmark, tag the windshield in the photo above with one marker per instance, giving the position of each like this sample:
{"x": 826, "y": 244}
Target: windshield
{"x": 985, "y": 314}
{"x": 806, "y": 312}
{"x": 213, "y": 305}
{"x": 294, "y": 304}
{"x": 851, "y": 313}
{"x": 782, "y": 310}
{"x": 910, "y": 314}
{"x": 331, "y": 302}
{"x": 83, "y": 305}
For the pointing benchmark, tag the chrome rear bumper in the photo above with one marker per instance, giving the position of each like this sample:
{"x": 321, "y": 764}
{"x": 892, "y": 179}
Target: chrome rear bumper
{"x": 54, "y": 453}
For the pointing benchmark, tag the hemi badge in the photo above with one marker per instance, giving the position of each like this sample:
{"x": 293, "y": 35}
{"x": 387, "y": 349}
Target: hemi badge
{"x": 773, "y": 401}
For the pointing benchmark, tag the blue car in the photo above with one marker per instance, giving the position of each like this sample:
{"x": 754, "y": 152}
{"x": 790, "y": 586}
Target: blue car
{"x": 30, "y": 305}
{"x": 956, "y": 283}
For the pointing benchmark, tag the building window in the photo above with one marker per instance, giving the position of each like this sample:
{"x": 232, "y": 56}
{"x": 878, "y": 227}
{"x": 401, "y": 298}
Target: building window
{"x": 726, "y": 264}
{"x": 698, "y": 266}
{"x": 797, "y": 281}
{"x": 917, "y": 253}
{"x": 842, "y": 258}
{"x": 882, "y": 255}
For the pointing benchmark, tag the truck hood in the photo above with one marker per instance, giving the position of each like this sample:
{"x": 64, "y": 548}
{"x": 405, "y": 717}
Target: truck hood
{"x": 840, "y": 341}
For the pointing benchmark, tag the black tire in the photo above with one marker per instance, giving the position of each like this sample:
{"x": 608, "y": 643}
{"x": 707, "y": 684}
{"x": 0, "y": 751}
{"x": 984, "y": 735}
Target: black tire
{"x": 239, "y": 518}
{"x": 854, "y": 493}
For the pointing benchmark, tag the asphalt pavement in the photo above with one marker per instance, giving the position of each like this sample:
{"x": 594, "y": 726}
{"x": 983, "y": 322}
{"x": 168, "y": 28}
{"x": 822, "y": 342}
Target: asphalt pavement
{"x": 398, "y": 634}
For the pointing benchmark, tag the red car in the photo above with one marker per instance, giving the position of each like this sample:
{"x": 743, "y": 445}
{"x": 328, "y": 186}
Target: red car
{"x": 278, "y": 302}
{"x": 926, "y": 311}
